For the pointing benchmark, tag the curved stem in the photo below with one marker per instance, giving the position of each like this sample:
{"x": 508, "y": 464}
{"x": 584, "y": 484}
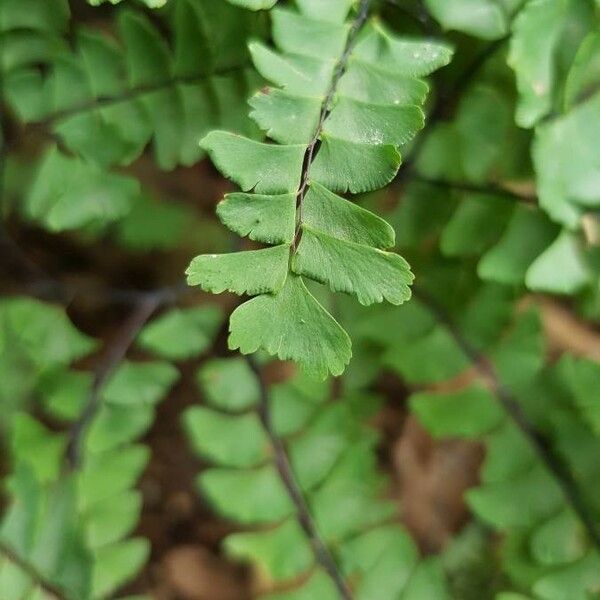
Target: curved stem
{"x": 553, "y": 462}
{"x": 115, "y": 353}
{"x": 491, "y": 189}
{"x": 313, "y": 147}
{"x": 133, "y": 93}
{"x": 55, "y": 592}
{"x": 284, "y": 468}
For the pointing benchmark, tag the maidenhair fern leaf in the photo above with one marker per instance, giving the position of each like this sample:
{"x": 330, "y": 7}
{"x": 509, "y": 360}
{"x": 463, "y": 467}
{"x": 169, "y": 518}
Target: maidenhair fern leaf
{"x": 508, "y": 261}
{"x": 51, "y": 15}
{"x": 532, "y": 56}
{"x": 181, "y": 333}
{"x": 71, "y": 506}
{"x": 485, "y": 19}
{"x": 107, "y": 100}
{"x": 294, "y": 326}
{"x": 348, "y": 96}
{"x": 68, "y": 193}
{"x": 567, "y": 174}
{"x": 561, "y": 268}
{"x": 332, "y": 459}
{"x": 519, "y": 493}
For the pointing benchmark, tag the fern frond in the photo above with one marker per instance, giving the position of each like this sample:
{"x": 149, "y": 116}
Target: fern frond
{"x": 107, "y": 100}
{"x": 332, "y": 463}
{"x": 536, "y": 419}
{"x": 348, "y": 97}
{"x": 72, "y": 506}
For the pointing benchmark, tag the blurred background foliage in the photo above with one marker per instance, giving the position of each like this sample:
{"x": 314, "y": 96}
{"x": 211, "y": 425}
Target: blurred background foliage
{"x": 457, "y": 456}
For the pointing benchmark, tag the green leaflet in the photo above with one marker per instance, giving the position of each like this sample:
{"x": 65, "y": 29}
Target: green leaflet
{"x": 367, "y": 82}
{"x": 334, "y": 133}
{"x": 287, "y": 324}
{"x": 527, "y": 235}
{"x": 334, "y": 11}
{"x": 41, "y": 332}
{"x": 229, "y": 385}
{"x": 567, "y": 173}
{"x": 285, "y": 117}
{"x": 69, "y": 193}
{"x": 344, "y": 220}
{"x": 213, "y": 433}
{"x": 482, "y": 18}
{"x": 265, "y": 168}
{"x": 283, "y": 552}
{"x": 405, "y": 57}
{"x": 139, "y": 383}
{"x": 475, "y": 225}
{"x": 559, "y": 540}
{"x": 370, "y": 274}
{"x": 295, "y": 33}
{"x": 51, "y": 16}
{"x": 582, "y": 376}
{"x": 297, "y": 74}
{"x": 182, "y": 333}
{"x": 585, "y": 71}
{"x": 344, "y": 166}
{"x": 561, "y": 268}
{"x": 269, "y": 219}
{"x": 467, "y": 413}
{"x": 367, "y": 123}
{"x": 534, "y": 42}
{"x": 251, "y": 272}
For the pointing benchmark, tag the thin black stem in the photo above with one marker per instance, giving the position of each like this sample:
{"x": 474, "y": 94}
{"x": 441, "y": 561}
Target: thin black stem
{"x": 492, "y": 189}
{"x": 313, "y": 147}
{"x": 544, "y": 449}
{"x": 133, "y": 93}
{"x": 284, "y": 468}
{"x": 40, "y": 580}
{"x": 115, "y": 353}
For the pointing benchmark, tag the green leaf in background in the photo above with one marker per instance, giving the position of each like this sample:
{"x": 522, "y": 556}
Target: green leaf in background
{"x": 485, "y": 19}
{"x": 229, "y": 385}
{"x": 251, "y": 272}
{"x": 476, "y": 225}
{"x": 561, "y": 268}
{"x": 254, "y": 4}
{"x": 180, "y": 334}
{"x": 43, "y": 332}
{"x": 467, "y": 413}
{"x": 68, "y": 193}
{"x": 582, "y": 377}
{"x": 533, "y": 45}
{"x": 50, "y": 16}
{"x": 139, "y": 383}
{"x": 527, "y": 235}
{"x": 333, "y": 463}
{"x": 148, "y": 3}
{"x": 584, "y": 74}
{"x": 564, "y": 156}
